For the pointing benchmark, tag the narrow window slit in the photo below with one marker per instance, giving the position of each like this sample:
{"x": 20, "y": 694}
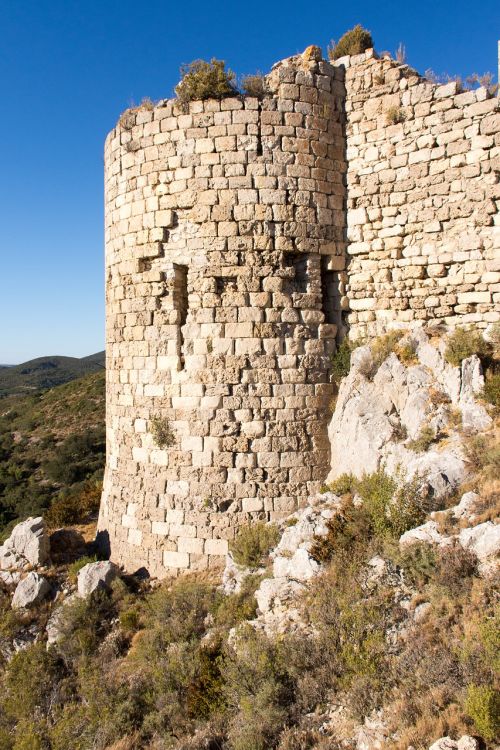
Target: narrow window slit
{"x": 181, "y": 303}
{"x": 300, "y": 279}
{"x": 330, "y": 294}
{"x": 259, "y": 129}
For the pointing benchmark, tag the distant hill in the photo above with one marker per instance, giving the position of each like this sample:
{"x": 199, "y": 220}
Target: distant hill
{"x": 46, "y": 372}
{"x": 52, "y": 448}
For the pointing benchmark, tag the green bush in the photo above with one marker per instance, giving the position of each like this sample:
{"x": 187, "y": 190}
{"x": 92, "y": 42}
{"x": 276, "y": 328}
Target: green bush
{"x": 393, "y": 507}
{"x": 418, "y": 562}
{"x": 491, "y": 391}
{"x": 423, "y": 442}
{"x": 259, "y": 690}
{"x": 344, "y": 484}
{"x": 205, "y": 80}
{"x": 236, "y": 608}
{"x": 75, "y": 505}
{"x": 341, "y": 361}
{"x": 253, "y": 544}
{"x": 162, "y": 432}
{"x": 180, "y": 609}
{"x": 353, "y": 42}
{"x": 482, "y": 704}
{"x": 464, "y": 343}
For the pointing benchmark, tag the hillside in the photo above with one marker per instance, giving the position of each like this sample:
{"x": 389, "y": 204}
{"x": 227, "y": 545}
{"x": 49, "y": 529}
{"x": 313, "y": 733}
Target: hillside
{"x": 52, "y": 449}
{"x": 366, "y": 620}
{"x": 46, "y": 372}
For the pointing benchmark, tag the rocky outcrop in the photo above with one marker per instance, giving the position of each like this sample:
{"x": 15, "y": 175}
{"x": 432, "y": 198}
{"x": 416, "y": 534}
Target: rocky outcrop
{"x": 27, "y": 545}
{"x": 31, "y": 591}
{"x": 97, "y": 575}
{"x": 293, "y": 565}
{"x": 380, "y": 411}
{"x": 464, "y": 743}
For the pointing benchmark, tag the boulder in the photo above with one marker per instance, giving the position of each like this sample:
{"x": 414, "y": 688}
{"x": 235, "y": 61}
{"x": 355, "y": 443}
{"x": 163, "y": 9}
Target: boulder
{"x": 427, "y": 533}
{"x": 466, "y": 742}
{"x": 483, "y": 540}
{"x": 27, "y": 544}
{"x": 96, "y": 575}
{"x": 10, "y": 577}
{"x": 465, "y": 507}
{"x": 299, "y": 567}
{"x": 30, "y": 591}
{"x": 275, "y": 592}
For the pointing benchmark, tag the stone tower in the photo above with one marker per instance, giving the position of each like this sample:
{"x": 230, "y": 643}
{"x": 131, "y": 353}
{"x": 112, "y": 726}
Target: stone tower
{"x": 224, "y": 268}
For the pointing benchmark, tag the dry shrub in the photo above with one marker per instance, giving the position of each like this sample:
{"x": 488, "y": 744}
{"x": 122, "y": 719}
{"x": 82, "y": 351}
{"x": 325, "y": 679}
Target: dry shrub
{"x": 395, "y": 115}
{"x": 384, "y": 345}
{"x": 161, "y": 430}
{"x": 353, "y": 42}
{"x": 455, "y": 568}
{"x": 424, "y": 441}
{"x": 255, "y": 85}
{"x": 464, "y": 343}
{"x": 253, "y": 543}
{"x": 205, "y": 80}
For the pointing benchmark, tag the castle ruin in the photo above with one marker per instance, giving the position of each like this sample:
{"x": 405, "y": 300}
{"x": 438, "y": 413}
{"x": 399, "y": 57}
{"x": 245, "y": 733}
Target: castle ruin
{"x": 243, "y": 238}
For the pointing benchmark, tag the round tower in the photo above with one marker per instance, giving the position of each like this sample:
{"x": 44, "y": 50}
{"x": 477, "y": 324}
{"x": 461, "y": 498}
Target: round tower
{"x": 224, "y": 260}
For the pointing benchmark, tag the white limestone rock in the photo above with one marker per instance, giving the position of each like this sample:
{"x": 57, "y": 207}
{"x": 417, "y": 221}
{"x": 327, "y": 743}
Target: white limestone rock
{"x": 10, "y": 577}
{"x": 30, "y": 591}
{"x": 427, "y": 533}
{"x": 466, "y": 742}
{"x": 274, "y": 592}
{"x": 299, "y": 567}
{"x": 483, "y": 540}
{"x": 96, "y": 575}
{"x": 54, "y": 628}
{"x": 372, "y": 409}
{"x": 234, "y": 575}
{"x": 464, "y": 509}
{"x": 27, "y": 544}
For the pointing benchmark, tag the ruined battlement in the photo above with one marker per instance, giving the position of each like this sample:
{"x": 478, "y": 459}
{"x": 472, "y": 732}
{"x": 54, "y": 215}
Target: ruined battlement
{"x": 243, "y": 238}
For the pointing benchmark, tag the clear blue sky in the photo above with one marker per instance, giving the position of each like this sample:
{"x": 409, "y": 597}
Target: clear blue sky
{"x": 67, "y": 70}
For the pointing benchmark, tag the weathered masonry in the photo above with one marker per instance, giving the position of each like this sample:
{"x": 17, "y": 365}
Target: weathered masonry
{"x": 242, "y": 237}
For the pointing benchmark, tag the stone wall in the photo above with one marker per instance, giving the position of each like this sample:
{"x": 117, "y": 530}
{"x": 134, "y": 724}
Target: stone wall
{"x": 242, "y": 238}
{"x": 422, "y": 199}
{"x": 224, "y": 241}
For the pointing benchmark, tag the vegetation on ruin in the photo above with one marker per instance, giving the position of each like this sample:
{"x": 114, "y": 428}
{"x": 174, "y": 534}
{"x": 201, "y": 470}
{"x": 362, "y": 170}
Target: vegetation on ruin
{"x": 253, "y": 543}
{"x": 463, "y": 343}
{"x": 353, "y": 42}
{"x": 255, "y": 85}
{"x": 395, "y": 115}
{"x": 162, "y": 432}
{"x": 205, "y": 80}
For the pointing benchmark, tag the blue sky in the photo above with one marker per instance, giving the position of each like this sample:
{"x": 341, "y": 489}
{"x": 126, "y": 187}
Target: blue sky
{"x": 67, "y": 70}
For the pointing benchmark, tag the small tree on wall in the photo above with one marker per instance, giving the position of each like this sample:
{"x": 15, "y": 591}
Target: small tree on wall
{"x": 353, "y": 42}
{"x": 205, "y": 80}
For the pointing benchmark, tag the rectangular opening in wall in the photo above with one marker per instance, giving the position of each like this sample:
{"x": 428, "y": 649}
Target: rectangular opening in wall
{"x": 181, "y": 301}
{"x": 299, "y": 281}
{"x": 330, "y": 295}
{"x": 225, "y": 284}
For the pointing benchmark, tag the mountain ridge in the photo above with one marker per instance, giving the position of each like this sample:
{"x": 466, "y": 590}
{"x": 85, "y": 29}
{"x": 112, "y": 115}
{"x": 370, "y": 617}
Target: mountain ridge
{"x": 46, "y": 372}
